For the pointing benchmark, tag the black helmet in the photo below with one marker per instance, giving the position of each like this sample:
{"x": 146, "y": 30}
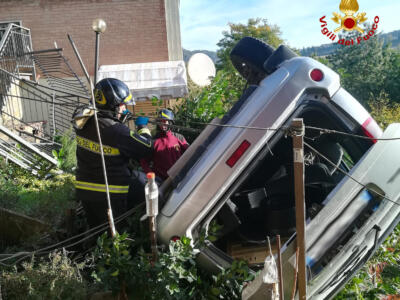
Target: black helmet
{"x": 166, "y": 114}
{"x": 109, "y": 93}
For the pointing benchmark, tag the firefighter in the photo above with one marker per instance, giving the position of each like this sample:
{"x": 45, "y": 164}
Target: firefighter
{"x": 168, "y": 147}
{"x": 119, "y": 145}
{"x": 141, "y": 126}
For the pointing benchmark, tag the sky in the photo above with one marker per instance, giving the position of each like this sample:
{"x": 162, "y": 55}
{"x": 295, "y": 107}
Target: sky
{"x": 203, "y": 21}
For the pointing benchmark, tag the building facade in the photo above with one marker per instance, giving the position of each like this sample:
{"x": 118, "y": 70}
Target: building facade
{"x": 138, "y": 31}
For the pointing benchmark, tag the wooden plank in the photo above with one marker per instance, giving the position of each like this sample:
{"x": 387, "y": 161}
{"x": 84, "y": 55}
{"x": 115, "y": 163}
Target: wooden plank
{"x": 298, "y": 161}
{"x": 253, "y": 254}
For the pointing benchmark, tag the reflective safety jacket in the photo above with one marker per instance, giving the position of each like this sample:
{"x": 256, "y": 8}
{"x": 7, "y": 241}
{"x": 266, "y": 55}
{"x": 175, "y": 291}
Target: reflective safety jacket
{"x": 119, "y": 144}
{"x": 168, "y": 148}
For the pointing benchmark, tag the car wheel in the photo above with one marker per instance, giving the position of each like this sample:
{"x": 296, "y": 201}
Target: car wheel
{"x": 249, "y": 56}
{"x": 279, "y": 56}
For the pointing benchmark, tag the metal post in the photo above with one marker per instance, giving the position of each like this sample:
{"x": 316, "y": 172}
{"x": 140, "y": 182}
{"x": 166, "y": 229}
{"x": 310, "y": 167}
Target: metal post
{"x": 53, "y": 111}
{"x": 280, "y": 276}
{"x": 298, "y": 161}
{"x": 16, "y": 70}
{"x": 296, "y": 269}
{"x": 96, "y": 58}
{"x": 31, "y": 57}
{"x": 103, "y": 162}
{"x": 153, "y": 237}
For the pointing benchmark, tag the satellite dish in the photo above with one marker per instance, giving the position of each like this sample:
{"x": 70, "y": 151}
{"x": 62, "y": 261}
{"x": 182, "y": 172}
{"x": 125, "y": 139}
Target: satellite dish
{"x": 200, "y": 69}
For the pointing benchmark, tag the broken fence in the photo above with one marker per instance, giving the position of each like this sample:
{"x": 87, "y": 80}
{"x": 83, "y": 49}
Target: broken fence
{"x": 34, "y": 113}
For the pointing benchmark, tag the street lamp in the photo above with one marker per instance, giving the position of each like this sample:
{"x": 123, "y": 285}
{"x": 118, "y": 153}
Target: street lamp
{"x": 98, "y": 26}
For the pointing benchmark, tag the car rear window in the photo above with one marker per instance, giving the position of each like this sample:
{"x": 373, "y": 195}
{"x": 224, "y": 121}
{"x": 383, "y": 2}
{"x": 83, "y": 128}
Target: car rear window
{"x": 261, "y": 203}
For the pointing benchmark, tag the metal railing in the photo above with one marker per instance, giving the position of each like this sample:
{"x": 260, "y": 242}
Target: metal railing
{"x": 34, "y": 113}
{"x": 15, "y": 42}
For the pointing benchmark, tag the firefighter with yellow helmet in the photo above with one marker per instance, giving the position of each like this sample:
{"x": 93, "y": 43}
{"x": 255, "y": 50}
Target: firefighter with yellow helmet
{"x": 119, "y": 145}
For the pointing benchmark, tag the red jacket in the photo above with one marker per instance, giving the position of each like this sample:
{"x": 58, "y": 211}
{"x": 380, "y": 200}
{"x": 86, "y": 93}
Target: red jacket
{"x": 168, "y": 147}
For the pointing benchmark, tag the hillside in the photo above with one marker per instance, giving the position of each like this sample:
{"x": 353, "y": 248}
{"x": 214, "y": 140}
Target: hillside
{"x": 325, "y": 49}
{"x": 392, "y": 37}
{"x": 187, "y": 54}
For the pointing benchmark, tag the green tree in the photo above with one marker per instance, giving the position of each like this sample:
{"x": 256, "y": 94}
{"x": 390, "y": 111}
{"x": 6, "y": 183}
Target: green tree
{"x": 393, "y": 78}
{"x": 204, "y": 104}
{"x": 213, "y": 101}
{"x": 368, "y": 69}
{"x": 384, "y": 111}
{"x": 257, "y": 28}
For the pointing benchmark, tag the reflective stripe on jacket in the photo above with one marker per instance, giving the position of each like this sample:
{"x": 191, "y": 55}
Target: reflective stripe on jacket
{"x": 96, "y": 187}
{"x": 119, "y": 145}
{"x": 95, "y": 147}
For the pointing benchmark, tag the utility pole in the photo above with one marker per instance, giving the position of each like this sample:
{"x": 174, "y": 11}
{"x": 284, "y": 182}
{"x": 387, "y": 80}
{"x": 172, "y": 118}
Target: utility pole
{"x": 280, "y": 275}
{"x": 103, "y": 162}
{"x": 298, "y": 161}
{"x": 98, "y": 26}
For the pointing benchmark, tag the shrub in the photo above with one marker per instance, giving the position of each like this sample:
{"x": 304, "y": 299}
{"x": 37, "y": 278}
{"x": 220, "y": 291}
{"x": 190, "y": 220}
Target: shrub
{"x": 380, "y": 276}
{"x": 9, "y": 170}
{"x": 66, "y": 156}
{"x": 384, "y": 111}
{"x": 114, "y": 263}
{"x": 175, "y": 275}
{"x": 205, "y": 104}
{"x": 43, "y": 199}
{"x": 57, "y": 278}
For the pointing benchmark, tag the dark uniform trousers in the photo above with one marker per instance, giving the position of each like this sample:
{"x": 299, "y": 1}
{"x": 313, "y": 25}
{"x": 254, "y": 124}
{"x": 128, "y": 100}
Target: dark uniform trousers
{"x": 119, "y": 144}
{"x": 95, "y": 205}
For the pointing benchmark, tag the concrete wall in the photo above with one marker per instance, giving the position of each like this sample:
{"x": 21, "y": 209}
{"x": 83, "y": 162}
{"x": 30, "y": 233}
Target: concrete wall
{"x": 173, "y": 29}
{"x": 136, "y": 29}
{"x": 12, "y": 105}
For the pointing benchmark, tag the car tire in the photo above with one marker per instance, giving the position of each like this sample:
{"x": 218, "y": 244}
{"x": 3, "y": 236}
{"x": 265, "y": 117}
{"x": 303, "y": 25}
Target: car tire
{"x": 248, "y": 58}
{"x": 279, "y": 56}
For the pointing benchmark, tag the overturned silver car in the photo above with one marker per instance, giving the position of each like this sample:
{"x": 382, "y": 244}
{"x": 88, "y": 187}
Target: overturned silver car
{"x": 242, "y": 178}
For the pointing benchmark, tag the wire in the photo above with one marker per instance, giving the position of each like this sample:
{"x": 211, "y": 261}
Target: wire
{"x": 331, "y": 131}
{"x": 156, "y": 121}
{"x": 53, "y": 247}
{"x": 348, "y": 175}
{"x": 177, "y": 127}
{"x": 322, "y": 131}
{"x": 282, "y": 128}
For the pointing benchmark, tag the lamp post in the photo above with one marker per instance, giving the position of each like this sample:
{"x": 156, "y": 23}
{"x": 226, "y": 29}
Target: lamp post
{"x": 98, "y": 26}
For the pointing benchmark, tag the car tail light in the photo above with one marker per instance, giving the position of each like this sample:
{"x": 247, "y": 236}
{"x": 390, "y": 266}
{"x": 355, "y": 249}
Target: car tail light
{"x": 371, "y": 129}
{"x": 317, "y": 75}
{"x": 238, "y": 153}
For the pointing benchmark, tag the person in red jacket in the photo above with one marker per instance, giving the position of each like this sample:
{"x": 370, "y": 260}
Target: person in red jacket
{"x": 168, "y": 147}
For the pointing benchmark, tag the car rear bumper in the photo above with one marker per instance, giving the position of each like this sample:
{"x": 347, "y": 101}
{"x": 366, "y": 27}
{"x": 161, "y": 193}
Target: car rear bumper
{"x": 379, "y": 173}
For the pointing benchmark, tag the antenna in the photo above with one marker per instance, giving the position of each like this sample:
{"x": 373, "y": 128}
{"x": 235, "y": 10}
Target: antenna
{"x": 201, "y": 69}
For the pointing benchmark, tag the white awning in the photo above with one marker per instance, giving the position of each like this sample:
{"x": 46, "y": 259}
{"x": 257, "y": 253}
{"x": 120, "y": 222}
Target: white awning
{"x": 164, "y": 80}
